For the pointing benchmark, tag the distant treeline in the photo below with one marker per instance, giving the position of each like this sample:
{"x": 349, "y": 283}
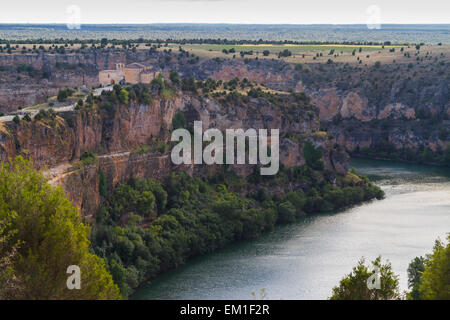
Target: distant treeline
{"x": 219, "y": 41}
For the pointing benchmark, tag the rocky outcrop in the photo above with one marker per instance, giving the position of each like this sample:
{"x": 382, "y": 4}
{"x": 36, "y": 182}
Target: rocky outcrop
{"x": 417, "y": 96}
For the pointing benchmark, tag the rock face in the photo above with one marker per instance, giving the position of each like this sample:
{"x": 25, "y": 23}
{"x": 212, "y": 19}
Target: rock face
{"x": 417, "y": 96}
{"x": 117, "y": 138}
{"x": 342, "y": 93}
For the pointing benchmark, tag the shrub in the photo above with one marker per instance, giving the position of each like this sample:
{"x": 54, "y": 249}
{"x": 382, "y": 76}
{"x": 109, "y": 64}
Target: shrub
{"x": 88, "y": 158}
{"x": 62, "y": 95}
{"x": 174, "y": 77}
{"x": 124, "y": 96}
{"x": 285, "y": 53}
{"x": 102, "y": 186}
{"x": 16, "y": 120}
{"x": 178, "y": 120}
{"x": 313, "y": 156}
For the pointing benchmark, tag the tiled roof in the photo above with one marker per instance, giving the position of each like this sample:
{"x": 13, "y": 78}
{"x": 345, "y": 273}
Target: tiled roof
{"x": 109, "y": 71}
{"x": 135, "y": 65}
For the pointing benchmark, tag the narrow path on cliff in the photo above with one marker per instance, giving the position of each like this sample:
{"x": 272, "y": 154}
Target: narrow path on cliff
{"x": 55, "y": 174}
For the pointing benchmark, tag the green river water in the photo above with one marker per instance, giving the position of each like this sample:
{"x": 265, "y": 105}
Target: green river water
{"x": 304, "y": 260}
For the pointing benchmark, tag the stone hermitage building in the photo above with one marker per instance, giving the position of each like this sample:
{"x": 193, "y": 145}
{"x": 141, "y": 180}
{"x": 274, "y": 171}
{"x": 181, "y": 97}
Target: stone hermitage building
{"x": 132, "y": 73}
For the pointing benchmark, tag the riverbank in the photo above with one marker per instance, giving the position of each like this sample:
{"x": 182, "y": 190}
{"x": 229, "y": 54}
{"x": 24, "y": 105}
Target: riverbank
{"x": 145, "y": 227}
{"x": 421, "y": 159}
{"x": 305, "y": 259}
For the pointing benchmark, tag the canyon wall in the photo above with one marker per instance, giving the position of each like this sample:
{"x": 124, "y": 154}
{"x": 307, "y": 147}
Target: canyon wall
{"x": 406, "y": 105}
{"x": 361, "y": 107}
{"x": 125, "y": 139}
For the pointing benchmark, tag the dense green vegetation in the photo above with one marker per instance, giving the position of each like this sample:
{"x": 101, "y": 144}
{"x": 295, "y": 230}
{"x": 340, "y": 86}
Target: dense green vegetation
{"x": 146, "y": 227}
{"x": 41, "y": 235}
{"x": 64, "y": 94}
{"x": 138, "y": 93}
{"x": 429, "y": 276}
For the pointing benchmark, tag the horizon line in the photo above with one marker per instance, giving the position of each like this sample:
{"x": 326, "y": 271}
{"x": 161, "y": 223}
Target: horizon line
{"x": 220, "y": 23}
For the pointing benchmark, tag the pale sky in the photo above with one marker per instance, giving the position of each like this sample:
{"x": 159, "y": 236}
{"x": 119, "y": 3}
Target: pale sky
{"x": 227, "y": 11}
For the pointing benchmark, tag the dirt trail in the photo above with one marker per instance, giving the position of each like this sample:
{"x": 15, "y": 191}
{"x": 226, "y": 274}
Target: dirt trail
{"x": 55, "y": 174}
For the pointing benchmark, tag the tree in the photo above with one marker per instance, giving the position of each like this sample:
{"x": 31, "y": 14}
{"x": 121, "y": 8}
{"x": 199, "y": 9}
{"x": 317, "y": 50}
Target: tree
{"x": 446, "y": 156}
{"x": 354, "y": 285}
{"x": 427, "y": 155}
{"x": 415, "y": 271}
{"x": 62, "y": 95}
{"x": 284, "y": 53}
{"x": 286, "y": 212}
{"x": 174, "y": 76}
{"x": 123, "y": 96}
{"x": 178, "y": 121}
{"x": 188, "y": 84}
{"x": 313, "y": 156}
{"x": 435, "y": 279}
{"x": 102, "y": 186}
{"x": 27, "y": 118}
{"x": 51, "y": 237}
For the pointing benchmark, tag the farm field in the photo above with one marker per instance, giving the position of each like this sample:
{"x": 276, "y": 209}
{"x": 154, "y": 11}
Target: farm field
{"x": 316, "y": 53}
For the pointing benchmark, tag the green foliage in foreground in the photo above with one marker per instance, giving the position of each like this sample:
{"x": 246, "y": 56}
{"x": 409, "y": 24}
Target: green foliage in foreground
{"x": 147, "y": 227}
{"x": 41, "y": 234}
{"x": 429, "y": 277}
{"x": 354, "y": 285}
{"x": 415, "y": 271}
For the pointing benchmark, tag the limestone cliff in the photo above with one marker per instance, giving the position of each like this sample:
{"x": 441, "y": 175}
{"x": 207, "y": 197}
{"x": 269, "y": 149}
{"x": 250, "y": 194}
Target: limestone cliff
{"x": 127, "y": 139}
{"x": 415, "y": 97}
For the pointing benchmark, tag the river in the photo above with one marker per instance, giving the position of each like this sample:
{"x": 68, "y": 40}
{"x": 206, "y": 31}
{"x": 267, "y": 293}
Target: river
{"x": 304, "y": 260}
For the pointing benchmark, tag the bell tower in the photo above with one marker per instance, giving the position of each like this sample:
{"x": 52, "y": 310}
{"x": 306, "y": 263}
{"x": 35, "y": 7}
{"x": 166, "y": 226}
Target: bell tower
{"x": 119, "y": 66}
